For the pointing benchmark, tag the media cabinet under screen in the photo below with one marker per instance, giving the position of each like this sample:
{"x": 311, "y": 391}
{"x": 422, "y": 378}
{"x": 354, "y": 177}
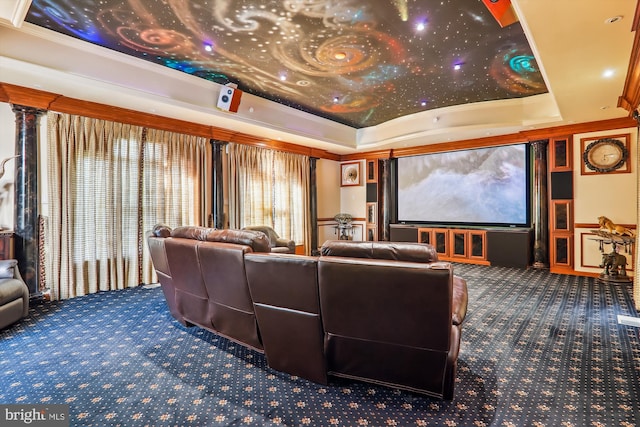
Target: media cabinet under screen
{"x": 504, "y": 247}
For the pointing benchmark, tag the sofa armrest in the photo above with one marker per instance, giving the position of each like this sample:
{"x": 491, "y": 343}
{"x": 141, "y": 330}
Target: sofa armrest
{"x": 459, "y": 301}
{"x": 286, "y": 243}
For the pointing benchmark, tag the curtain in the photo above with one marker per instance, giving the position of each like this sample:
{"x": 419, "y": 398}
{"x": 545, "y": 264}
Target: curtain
{"x": 107, "y": 187}
{"x": 268, "y": 187}
{"x": 176, "y": 181}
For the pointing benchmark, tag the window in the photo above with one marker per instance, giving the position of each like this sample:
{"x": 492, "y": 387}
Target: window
{"x": 268, "y": 187}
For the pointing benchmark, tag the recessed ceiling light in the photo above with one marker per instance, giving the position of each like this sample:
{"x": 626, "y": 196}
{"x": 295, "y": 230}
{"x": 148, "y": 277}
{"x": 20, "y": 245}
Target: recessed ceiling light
{"x": 613, "y": 19}
{"x": 608, "y": 73}
{"x": 604, "y": 107}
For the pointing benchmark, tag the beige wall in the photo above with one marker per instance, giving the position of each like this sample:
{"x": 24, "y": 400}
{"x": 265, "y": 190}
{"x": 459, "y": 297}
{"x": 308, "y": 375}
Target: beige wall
{"x": 614, "y": 195}
{"x": 328, "y": 179}
{"x": 334, "y": 199}
{"x": 353, "y": 200}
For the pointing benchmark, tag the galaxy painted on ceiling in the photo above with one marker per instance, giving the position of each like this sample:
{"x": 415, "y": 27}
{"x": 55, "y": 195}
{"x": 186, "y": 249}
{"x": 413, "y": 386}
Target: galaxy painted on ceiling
{"x": 357, "y": 62}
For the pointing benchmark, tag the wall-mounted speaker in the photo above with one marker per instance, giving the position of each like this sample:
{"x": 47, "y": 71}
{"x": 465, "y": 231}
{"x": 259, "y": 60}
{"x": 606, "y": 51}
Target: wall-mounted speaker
{"x": 229, "y": 99}
{"x": 372, "y": 192}
{"x": 562, "y": 185}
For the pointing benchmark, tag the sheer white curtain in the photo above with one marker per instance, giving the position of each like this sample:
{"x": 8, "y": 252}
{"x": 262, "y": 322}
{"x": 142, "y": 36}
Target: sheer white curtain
{"x": 104, "y": 195}
{"x": 268, "y": 187}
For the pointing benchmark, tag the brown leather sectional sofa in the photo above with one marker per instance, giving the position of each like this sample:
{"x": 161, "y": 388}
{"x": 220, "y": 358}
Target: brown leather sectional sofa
{"x": 382, "y": 312}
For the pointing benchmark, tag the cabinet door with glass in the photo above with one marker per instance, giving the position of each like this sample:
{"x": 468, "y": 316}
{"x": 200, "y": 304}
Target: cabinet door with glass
{"x": 440, "y": 241}
{"x": 477, "y": 245}
{"x": 561, "y": 216}
{"x": 468, "y": 245}
{"x": 561, "y": 250}
{"x": 458, "y": 243}
{"x": 425, "y": 235}
{"x": 560, "y": 158}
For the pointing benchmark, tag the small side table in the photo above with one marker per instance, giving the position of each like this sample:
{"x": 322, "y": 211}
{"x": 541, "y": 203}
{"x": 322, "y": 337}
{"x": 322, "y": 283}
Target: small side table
{"x": 345, "y": 231}
{"x": 614, "y": 263}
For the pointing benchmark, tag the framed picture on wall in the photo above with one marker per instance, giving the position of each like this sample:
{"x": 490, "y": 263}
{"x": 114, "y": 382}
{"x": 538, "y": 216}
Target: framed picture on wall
{"x": 350, "y": 174}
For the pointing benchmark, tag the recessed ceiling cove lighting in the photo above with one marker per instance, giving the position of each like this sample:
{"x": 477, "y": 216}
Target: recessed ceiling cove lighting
{"x": 613, "y": 19}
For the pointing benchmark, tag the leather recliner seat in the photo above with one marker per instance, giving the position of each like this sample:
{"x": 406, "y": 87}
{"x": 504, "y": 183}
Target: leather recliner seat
{"x": 14, "y": 294}
{"x": 382, "y": 312}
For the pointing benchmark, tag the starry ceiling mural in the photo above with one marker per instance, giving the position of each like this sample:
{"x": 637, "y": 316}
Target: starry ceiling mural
{"x": 357, "y": 62}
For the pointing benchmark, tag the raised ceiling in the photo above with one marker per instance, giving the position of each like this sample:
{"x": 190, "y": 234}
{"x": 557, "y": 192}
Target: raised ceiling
{"x": 357, "y": 62}
{"x": 562, "y": 63}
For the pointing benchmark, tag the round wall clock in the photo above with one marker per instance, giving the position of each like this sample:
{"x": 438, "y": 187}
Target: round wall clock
{"x": 605, "y": 155}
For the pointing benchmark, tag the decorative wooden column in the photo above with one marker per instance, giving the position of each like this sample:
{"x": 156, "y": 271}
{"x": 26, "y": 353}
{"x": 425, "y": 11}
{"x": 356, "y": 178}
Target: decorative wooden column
{"x": 217, "y": 184}
{"x": 540, "y": 211}
{"x": 385, "y": 199}
{"x": 313, "y": 205}
{"x": 26, "y": 195}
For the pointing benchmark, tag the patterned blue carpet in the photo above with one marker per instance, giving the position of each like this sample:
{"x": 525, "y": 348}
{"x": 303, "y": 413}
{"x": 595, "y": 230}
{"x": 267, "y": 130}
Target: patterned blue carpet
{"x": 538, "y": 349}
